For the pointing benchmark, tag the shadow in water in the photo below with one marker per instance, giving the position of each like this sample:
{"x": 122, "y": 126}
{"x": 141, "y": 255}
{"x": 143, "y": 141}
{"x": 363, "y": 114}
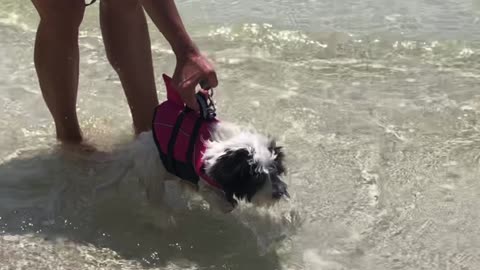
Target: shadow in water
{"x": 50, "y": 194}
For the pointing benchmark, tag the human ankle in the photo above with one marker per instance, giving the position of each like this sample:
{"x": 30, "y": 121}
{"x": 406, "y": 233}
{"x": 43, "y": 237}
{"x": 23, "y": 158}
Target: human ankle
{"x": 70, "y": 135}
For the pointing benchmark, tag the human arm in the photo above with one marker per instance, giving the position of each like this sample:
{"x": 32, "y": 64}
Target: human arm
{"x": 192, "y": 67}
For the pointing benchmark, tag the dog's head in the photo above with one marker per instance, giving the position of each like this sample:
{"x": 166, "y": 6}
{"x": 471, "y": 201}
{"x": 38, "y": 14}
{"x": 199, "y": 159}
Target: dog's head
{"x": 249, "y": 167}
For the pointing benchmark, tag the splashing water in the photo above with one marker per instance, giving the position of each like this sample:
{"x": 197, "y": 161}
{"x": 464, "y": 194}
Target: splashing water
{"x": 376, "y": 103}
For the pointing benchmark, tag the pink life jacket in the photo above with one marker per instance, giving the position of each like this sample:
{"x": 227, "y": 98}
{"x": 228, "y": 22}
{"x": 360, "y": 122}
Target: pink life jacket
{"x": 180, "y": 135}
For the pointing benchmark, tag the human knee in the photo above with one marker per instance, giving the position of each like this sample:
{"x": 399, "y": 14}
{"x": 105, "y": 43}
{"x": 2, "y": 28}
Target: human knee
{"x": 65, "y": 14}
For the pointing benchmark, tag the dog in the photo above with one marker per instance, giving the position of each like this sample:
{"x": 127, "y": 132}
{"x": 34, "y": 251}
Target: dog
{"x": 222, "y": 162}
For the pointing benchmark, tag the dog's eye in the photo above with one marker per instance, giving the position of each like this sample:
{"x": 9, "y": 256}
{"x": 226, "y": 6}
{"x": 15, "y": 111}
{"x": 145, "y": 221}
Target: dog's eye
{"x": 278, "y": 169}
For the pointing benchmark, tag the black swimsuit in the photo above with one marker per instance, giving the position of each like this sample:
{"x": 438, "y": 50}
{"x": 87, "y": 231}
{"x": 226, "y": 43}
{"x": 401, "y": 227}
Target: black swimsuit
{"x": 91, "y": 2}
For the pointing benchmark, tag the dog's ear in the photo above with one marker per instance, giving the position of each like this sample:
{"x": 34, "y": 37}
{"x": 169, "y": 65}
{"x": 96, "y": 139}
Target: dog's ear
{"x": 277, "y": 151}
{"x": 237, "y": 172}
{"x": 234, "y": 165}
{"x": 235, "y": 161}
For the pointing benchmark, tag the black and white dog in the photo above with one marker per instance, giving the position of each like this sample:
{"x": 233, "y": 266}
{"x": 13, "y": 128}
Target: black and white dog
{"x": 223, "y": 162}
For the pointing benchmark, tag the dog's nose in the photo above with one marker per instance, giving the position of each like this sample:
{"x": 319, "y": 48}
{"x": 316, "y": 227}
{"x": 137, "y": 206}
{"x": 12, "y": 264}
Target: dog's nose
{"x": 279, "y": 190}
{"x": 279, "y": 194}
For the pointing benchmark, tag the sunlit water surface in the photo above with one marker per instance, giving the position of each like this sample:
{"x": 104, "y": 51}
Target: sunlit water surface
{"x": 377, "y": 103}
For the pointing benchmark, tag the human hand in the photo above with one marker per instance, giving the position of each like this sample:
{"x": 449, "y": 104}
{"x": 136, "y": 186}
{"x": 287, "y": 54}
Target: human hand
{"x": 190, "y": 70}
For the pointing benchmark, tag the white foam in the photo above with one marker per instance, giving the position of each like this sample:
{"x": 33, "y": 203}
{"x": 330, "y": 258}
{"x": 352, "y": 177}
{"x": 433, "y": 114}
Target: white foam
{"x": 14, "y": 19}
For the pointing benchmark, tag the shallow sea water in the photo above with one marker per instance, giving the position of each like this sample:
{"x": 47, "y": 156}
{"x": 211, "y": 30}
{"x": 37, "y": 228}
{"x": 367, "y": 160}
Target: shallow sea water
{"x": 376, "y": 102}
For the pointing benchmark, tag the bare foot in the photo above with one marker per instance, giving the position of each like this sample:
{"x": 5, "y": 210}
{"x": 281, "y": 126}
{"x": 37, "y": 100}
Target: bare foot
{"x": 83, "y": 150}
{"x": 80, "y": 147}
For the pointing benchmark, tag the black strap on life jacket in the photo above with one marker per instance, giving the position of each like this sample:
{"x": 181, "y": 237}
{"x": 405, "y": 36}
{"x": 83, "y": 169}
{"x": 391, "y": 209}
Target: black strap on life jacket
{"x": 171, "y": 143}
{"x": 172, "y": 163}
{"x": 193, "y": 139}
{"x": 186, "y": 170}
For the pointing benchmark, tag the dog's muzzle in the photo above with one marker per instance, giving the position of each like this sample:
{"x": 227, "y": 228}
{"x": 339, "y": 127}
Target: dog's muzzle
{"x": 280, "y": 190}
